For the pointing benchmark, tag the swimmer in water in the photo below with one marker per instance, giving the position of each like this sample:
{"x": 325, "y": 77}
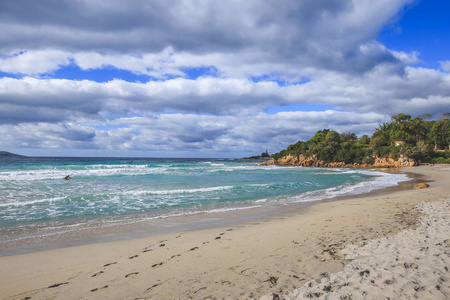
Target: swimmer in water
{"x": 67, "y": 177}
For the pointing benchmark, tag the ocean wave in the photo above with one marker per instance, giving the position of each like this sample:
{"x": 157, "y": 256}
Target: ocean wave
{"x": 179, "y": 191}
{"x": 377, "y": 180}
{"x": 99, "y": 201}
{"x": 97, "y": 171}
{"x": 32, "y": 202}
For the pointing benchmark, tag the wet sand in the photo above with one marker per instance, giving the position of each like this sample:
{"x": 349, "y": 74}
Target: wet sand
{"x": 273, "y": 256}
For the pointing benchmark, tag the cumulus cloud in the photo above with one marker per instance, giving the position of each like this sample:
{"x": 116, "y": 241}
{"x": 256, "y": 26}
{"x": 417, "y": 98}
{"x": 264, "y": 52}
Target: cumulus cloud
{"x": 187, "y": 133}
{"x": 321, "y": 34}
{"x": 34, "y": 61}
{"x": 383, "y": 91}
{"x": 254, "y": 56}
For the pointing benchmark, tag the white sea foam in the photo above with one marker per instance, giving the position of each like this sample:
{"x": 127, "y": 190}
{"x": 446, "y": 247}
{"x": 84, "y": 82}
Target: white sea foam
{"x": 179, "y": 191}
{"x": 378, "y": 180}
{"x": 221, "y": 210}
{"x": 92, "y": 170}
{"x": 119, "y": 204}
{"x": 31, "y": 202}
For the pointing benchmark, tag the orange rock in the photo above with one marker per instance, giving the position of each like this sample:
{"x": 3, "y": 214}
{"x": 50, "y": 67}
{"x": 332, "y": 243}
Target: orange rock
{"x": 301, "y": 160}
{"x": 421, "y": 185}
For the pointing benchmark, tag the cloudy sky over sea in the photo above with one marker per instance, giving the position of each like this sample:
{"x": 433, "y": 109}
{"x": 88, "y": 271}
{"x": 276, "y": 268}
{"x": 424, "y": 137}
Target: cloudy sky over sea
{"x": 213, "y": 78}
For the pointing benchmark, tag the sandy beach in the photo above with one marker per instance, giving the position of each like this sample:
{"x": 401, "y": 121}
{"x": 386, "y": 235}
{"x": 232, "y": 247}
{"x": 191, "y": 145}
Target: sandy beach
{"x": 388, "y": 244}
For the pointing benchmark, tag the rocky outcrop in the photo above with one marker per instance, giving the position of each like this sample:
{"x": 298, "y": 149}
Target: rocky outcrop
{"x": 391, "y": 163}
{"x": 301, "y": 160}
{"x": 304, "y": 161}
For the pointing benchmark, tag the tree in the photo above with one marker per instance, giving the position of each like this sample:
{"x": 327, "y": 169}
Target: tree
{"x": 401, "y": 118}
{"x": 418, "y": 134}
{"x": 326, "y": 150}
{"x": 347, "y": 137}
{"x": 440, "y": 133}
{"x": 402, "y": 129}
{"x": 333, "y": 136}
{"x": 379, "y": 139}
{"x": 319, "y": 136}
{"x": 364, "y": 139}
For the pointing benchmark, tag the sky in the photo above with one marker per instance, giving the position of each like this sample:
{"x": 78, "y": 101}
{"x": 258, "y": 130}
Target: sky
{"x": 206, "y": 78}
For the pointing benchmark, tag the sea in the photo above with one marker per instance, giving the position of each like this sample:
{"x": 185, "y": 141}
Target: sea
{"x": 117, "y": 198}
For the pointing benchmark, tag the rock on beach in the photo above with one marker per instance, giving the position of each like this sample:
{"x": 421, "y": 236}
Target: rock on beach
{"x": 421, "y": 185}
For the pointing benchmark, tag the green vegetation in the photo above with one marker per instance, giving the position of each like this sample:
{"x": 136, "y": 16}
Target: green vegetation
{"x": 417, "y": 138}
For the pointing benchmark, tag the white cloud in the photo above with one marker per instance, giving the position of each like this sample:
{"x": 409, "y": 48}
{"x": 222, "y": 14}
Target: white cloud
{"x": 34, "y": 61}
{"x": 238, "y": 38}
{"x": 329, "y": 46}
{"x": 383, "y": 90}
{"x": 189, "y": 133}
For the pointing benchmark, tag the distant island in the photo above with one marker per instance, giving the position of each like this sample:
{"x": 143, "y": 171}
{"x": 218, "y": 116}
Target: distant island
{"x": 406, "y": 141}
{"x": 5, "y": 153}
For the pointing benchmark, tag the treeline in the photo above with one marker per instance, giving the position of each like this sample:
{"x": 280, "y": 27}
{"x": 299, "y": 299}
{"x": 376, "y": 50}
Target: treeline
{"x": 417, "y": 138}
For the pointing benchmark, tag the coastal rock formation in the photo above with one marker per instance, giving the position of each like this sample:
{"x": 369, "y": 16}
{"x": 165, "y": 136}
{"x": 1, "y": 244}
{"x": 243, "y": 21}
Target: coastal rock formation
{"x": 421, "y": 185}
{"x": 389, "y": 162}
{"x": 301, "y": 160}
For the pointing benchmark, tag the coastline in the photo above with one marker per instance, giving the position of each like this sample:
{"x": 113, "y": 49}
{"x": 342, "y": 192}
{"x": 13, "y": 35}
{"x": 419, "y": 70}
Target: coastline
{"x": 275, "y": 255}
{"x": 144, "y": 225}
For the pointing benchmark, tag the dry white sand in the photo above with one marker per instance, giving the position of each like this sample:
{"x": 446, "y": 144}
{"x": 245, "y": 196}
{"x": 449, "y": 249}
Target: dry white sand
{"x": 413, "y": 264}
{"x": 251, "y": 260}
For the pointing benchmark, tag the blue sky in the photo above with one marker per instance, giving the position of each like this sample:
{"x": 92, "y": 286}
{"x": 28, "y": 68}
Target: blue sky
{"x": 423, "y": 27}
{"x": 213, "y": 79}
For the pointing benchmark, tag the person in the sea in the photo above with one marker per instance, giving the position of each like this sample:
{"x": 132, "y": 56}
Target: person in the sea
{"x": 68, "y": 177}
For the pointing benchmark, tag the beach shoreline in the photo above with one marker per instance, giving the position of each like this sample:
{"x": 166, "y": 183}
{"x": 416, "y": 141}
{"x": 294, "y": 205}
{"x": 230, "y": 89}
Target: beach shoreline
{"x": 272, "y": 255}
{"x": 94, "y": 231}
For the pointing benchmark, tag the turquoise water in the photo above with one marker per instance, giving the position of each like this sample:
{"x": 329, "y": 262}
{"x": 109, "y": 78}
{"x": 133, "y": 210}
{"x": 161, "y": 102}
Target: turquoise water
{"x": 35, "y": 200}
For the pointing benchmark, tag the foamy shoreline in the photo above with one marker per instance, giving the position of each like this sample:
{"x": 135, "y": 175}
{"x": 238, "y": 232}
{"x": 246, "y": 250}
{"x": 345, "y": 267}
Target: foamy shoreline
{"x": 240, "y": 261}
{"x": 100, "y": 229}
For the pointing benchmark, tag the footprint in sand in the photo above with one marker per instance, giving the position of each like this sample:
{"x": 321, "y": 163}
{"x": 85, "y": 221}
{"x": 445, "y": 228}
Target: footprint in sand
{"x": 100, "y": 288}
{"x": 155, "y": 265}
{"x": 98, "y": 273}
{"x": 134, "y": 273}
{"x": 153, "y": 286}
{"x": 56, "y": 285}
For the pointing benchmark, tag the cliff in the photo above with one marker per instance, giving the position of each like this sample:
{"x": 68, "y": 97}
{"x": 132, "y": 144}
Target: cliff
{"x": 301, "y": 160}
